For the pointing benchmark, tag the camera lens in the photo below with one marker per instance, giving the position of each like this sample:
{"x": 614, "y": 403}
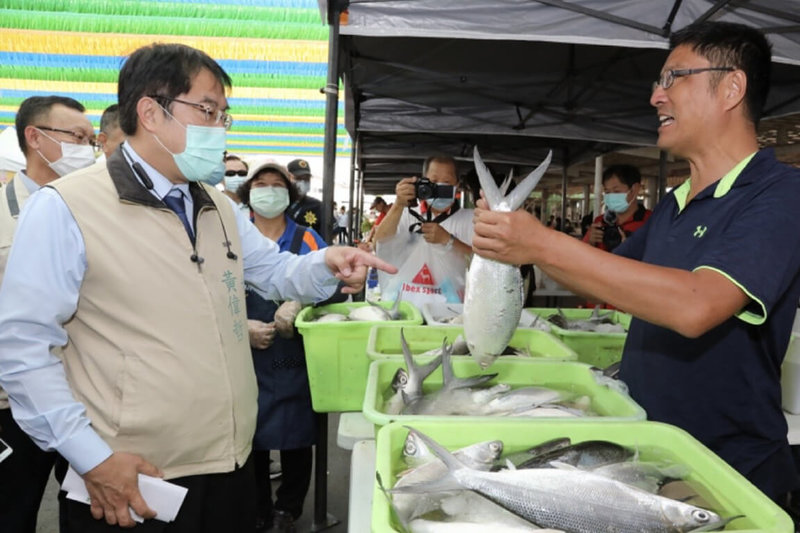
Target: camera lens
{"x": 611, "y": 237}
{"x": 424, "y": 189}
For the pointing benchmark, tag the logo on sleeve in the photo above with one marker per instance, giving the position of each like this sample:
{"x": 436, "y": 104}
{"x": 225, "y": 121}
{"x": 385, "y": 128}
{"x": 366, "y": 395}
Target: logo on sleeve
{"x": 700, "y": 231}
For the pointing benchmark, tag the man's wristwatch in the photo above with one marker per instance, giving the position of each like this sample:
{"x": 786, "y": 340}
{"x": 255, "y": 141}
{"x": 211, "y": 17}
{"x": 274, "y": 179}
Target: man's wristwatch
{"x": 449, "y": 244}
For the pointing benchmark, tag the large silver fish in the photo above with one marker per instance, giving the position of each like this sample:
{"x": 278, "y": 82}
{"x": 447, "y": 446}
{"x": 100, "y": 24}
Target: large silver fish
{"x": 572, "y": 500}
{"x": 493, "y": 299}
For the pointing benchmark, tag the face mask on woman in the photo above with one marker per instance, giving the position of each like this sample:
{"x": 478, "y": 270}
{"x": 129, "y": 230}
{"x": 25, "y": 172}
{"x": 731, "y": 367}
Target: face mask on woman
{"x": 269, "y": 202}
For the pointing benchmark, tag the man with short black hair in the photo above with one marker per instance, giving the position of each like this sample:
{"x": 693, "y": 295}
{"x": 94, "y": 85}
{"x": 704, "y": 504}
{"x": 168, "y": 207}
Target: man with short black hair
{"x": 110, "y": 136}
{"x": 55, "y": 136}
{"x": 624, "y": 214}
{"x": 307, "y": 210}
{"x": 137, "y": 270}
{"x": 713, "y": 278}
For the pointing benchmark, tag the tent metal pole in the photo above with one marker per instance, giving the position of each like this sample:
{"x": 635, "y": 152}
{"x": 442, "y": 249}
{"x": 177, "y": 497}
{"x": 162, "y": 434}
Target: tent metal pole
{"x": 323, "y": 519}
{"x": 331, "y": 91}
{"x": 351, "y": 216}
{"x": 598, "y": 184}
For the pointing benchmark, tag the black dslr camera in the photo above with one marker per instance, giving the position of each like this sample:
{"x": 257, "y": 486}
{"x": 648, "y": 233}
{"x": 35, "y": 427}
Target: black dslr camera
{"x": 425, "y": 189}
{"x": 611, "y": 236}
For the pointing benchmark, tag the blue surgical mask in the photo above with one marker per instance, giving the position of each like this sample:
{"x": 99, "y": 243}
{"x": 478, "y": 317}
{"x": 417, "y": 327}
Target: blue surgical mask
{"x": 440, "y": 204}
{"x": 201, "y": 160}
{"x": 269, "y": 202}
{"x": 616, "y": 201}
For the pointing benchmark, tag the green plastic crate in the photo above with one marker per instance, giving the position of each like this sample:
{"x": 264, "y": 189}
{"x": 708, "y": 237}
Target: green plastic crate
{"x": 710, "y": 475}
{"x": 384, "y": 341}
{"x": 336, "y": 354}
{"x": 610, "y": 404}
{"x": 597, "y": 349}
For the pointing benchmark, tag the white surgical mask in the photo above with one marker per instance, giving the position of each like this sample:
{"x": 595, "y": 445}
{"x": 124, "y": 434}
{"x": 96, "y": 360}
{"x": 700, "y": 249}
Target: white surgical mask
{"x": 73, "y": 157}
{"x": 232, "y": 183}
{"x": 269, "y": 202}
{"x": 303, "y": 186}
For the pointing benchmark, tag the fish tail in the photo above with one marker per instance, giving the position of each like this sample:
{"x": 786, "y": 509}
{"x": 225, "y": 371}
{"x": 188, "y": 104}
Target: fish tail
{"x": 526, "y": 186}
{"x": 485, "y": 178}
{"x": 495, "y": 195}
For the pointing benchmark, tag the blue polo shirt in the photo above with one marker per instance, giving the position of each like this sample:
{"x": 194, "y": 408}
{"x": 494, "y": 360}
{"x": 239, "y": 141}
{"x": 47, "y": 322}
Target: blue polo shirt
{"x": 724, "y": 387}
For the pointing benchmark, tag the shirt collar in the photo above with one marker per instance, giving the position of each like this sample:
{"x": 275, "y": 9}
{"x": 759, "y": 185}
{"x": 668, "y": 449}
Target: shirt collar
{"x": 724, "y": 185}
{"x": 161, "y": 185}
{"x": 30, "y": 185}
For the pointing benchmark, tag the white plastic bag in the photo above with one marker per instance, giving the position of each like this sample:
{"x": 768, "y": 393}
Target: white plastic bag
{"x": 427, "y": 272}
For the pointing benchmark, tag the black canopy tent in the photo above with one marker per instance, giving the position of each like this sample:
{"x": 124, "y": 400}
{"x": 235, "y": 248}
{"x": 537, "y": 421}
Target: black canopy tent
{"x": 517, "y": 77}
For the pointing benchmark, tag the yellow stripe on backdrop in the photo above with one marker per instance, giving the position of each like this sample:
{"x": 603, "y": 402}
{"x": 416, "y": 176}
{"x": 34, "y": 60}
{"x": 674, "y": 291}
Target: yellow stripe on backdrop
{"x": 78, "y": 43}
{"x": 50, "y": 86}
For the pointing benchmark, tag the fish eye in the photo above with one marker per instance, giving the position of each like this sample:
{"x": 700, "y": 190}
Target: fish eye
{"x": 700, "y": 515}
{"x": 411, "y": 448}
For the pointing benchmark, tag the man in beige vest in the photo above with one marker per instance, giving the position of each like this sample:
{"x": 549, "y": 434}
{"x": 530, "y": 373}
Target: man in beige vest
{"x": 43, "y": 123}
{"x": 139, "y": 273}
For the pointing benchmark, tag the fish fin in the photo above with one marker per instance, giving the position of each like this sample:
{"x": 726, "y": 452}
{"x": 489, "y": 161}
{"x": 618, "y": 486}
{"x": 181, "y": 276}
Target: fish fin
{"x": 393, "y": 511}
{"x": 719, "y": 525}
{"x": 510, "y": 465}
{"x": 506, "y": 183}
{"x": 526, "y": 186}
{"x": 562, "y": 466}
{"x": 379, "y": 307}
{"x": 395, "y": 312}
{"x": 447, "y": 365}
{"x": 472, "y": 381}
{"x": 413, "y": 369}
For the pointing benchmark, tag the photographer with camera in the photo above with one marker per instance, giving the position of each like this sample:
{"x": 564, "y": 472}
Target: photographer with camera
{"x": 427, "y": 232}
{"x": 623, "y": 215}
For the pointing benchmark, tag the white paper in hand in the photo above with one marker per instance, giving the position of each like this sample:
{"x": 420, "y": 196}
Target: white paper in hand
{"x": 163, "y": 497}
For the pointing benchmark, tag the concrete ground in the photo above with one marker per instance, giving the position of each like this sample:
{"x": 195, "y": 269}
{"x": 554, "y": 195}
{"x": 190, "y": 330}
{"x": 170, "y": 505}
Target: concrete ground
{"x": 338, "y": 490}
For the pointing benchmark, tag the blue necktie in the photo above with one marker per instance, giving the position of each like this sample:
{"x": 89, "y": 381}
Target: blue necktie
{"x": 174, "y": 200}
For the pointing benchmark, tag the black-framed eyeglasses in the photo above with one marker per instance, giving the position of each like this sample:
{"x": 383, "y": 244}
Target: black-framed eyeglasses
{"x": 668, "y": 77}
{"x": 220, "y": 117}
{"x": 79, "y": 136}
{"x": 236, "y": 173}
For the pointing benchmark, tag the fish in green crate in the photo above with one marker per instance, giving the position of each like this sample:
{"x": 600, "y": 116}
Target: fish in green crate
{"x": 493, "y": 295}
{"x": 372, "y": 312}
{"x": 467, "y": 397}
{"x": 596, "y": 323}
{"x": 587, "y": 454}
{"x": 569, "y": 499}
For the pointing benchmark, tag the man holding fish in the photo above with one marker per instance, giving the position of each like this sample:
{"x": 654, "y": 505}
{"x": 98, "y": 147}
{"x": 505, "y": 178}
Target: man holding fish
{"x": 710, "y": 329}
